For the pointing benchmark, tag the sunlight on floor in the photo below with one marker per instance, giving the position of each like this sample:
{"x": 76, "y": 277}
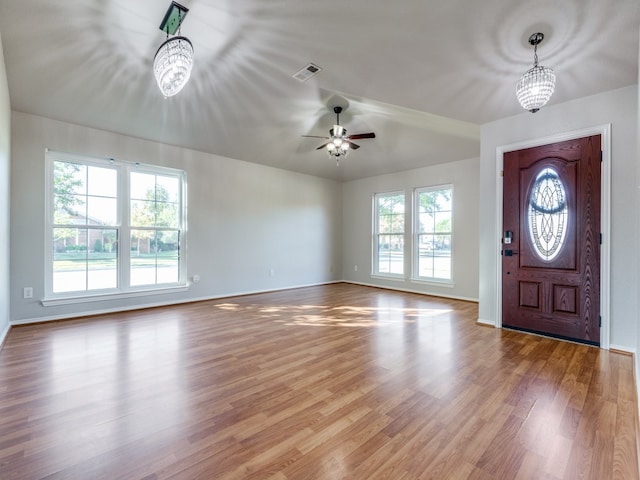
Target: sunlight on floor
{"x": 342, "y": 316}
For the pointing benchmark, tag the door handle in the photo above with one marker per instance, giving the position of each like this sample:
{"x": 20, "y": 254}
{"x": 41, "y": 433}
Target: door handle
{"x": 508, "y": 253}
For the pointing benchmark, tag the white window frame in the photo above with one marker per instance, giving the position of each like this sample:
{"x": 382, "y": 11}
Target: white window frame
{"x": 123, "y": 289}
{"x": 375, "y": 263}
{"x": 416, "y": 277}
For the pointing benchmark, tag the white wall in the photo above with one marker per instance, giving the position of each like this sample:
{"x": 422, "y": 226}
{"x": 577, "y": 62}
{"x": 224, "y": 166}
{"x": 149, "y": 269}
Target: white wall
{"x": 358, "y": 218}
{"x": 243, "y": 219}
{"x": 618, "y": 108}
{"x": 5, "y": 142}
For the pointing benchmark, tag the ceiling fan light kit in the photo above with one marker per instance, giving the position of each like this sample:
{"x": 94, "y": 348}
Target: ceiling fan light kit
{"x": 173, "y": 61}
{"x": 339, "y": 143}
{"x": 538, "y": 83}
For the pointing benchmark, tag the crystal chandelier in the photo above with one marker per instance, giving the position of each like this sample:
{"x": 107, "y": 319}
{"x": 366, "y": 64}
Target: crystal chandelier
{"x": 338, "y": 145}
{"x": 538, "y": 83}
{"x": 174, "y": 59}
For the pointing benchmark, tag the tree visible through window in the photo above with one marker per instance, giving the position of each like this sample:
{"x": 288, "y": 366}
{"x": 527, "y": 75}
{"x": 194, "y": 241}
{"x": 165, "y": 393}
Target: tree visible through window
{"x": 155, "y": 234}
{"x": 434, "y": 215}
{"x": 85, "y": 232}
{"x": 96, "y": 230}
{"x": 389, "y": 233}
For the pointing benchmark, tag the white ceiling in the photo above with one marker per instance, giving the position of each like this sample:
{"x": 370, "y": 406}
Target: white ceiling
{"x": 422, "y": 74}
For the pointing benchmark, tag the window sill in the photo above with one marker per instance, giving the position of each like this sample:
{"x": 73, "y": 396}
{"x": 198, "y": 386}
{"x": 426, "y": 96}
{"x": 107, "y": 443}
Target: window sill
{"x": 53, "y": 301}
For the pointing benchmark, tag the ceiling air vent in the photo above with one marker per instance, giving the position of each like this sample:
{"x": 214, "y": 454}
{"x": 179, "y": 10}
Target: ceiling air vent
{"x": 307, "y": 72}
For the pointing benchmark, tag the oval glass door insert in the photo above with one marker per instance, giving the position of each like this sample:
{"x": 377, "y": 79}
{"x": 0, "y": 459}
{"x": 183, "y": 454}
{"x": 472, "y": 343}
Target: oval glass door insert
{"x": 548, "y": 214}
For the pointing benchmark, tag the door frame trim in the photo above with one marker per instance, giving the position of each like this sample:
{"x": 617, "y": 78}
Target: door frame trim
{"x": 605, "y": 216}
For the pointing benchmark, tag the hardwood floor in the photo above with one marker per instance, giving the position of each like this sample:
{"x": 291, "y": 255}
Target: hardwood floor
{"x": 330, "y": 382}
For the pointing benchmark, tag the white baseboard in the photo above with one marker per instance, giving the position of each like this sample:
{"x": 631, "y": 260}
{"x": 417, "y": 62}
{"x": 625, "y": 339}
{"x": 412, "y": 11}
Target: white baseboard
{"x": 91, "y": 313}
{"x": 622, "y": 348}
{"x": 489, "y": 323}
{"x": 69, "y": 316}
{"x": 409, "y": 290}
{"x": 636, "y": 377}
{"x": 4, "y": 333}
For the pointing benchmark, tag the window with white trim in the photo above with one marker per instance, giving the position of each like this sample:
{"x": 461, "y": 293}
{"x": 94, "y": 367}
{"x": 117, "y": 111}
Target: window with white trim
{"x": 389, "y": 231}
{"x": 433, "y": 215}
{"x": 113, "y": 227}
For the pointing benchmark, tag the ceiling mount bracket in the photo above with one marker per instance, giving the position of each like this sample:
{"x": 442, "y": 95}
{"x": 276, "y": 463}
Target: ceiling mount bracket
{"x": 536, "y": 38}
{"x": 173, "y": 18}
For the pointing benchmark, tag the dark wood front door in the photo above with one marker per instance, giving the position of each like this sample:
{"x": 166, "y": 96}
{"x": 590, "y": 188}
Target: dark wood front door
{"x": 551, "y": 240}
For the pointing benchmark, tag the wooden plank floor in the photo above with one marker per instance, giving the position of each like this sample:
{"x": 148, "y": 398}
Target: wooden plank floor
{"x": 330, "y": 382}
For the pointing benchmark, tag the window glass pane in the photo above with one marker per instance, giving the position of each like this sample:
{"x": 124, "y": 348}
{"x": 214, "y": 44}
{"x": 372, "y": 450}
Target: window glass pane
{"x": 391, "y": 214}
{"x": 84, "y": 195}
{"x": 69, "y": 178}
{"x": 392, "y": 223}
{"x": 170, "y": 186}
{"x": 103, "y": 182}
{"x": 426, "y": 202}
{"x": 69, "y": 209}
{"x": 166, "y": 214}
{"x": 428, "y": 220}
{"x": 102, "y": 211}
{"x": 84, "y": 259}
{"x": 143, "y": 186}
{"x": 442, "y": 221}
{"x": 155, "y": 204}
{"x": 78, "y": 209}
{"x": 424, "y": 222}
{"x": 102, "y": 259}
{"x": 69, "y": 259}
{"x": 143, "y": 213}
{"x": 443, "y": 199}
{"x": 143, "y": 258}
{"x": 389, "y": 227}
{"x": 155, "y": 257}
{"x": 426, "y": 243}
{"x": 433, "y": 245}
{"x": 168, "y": 257}
{"x": 425, "y": 259}
{"x": 99, "y": 277}
{"x": 390, "y": 254}
{"x": 442, "y": 264}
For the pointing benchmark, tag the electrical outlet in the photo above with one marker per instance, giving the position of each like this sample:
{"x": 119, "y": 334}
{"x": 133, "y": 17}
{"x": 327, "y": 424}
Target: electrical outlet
{"x": 27, "y": 292}
{"x": 196, "y": 279}
{"x": 355, "y": 268}
{"x": 272, "y": 273}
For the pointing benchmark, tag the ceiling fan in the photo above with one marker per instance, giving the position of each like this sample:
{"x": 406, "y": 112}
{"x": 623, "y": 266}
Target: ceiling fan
{"x": 339, "y": 143}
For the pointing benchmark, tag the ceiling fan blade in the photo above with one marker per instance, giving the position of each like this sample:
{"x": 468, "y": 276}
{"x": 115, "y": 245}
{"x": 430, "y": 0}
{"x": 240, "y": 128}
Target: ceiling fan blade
{"x": 313, "y": 136}
{"x": 353, "y": 146}
{"x": 358, "y": 136}
{"x": 322, "y": 146}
